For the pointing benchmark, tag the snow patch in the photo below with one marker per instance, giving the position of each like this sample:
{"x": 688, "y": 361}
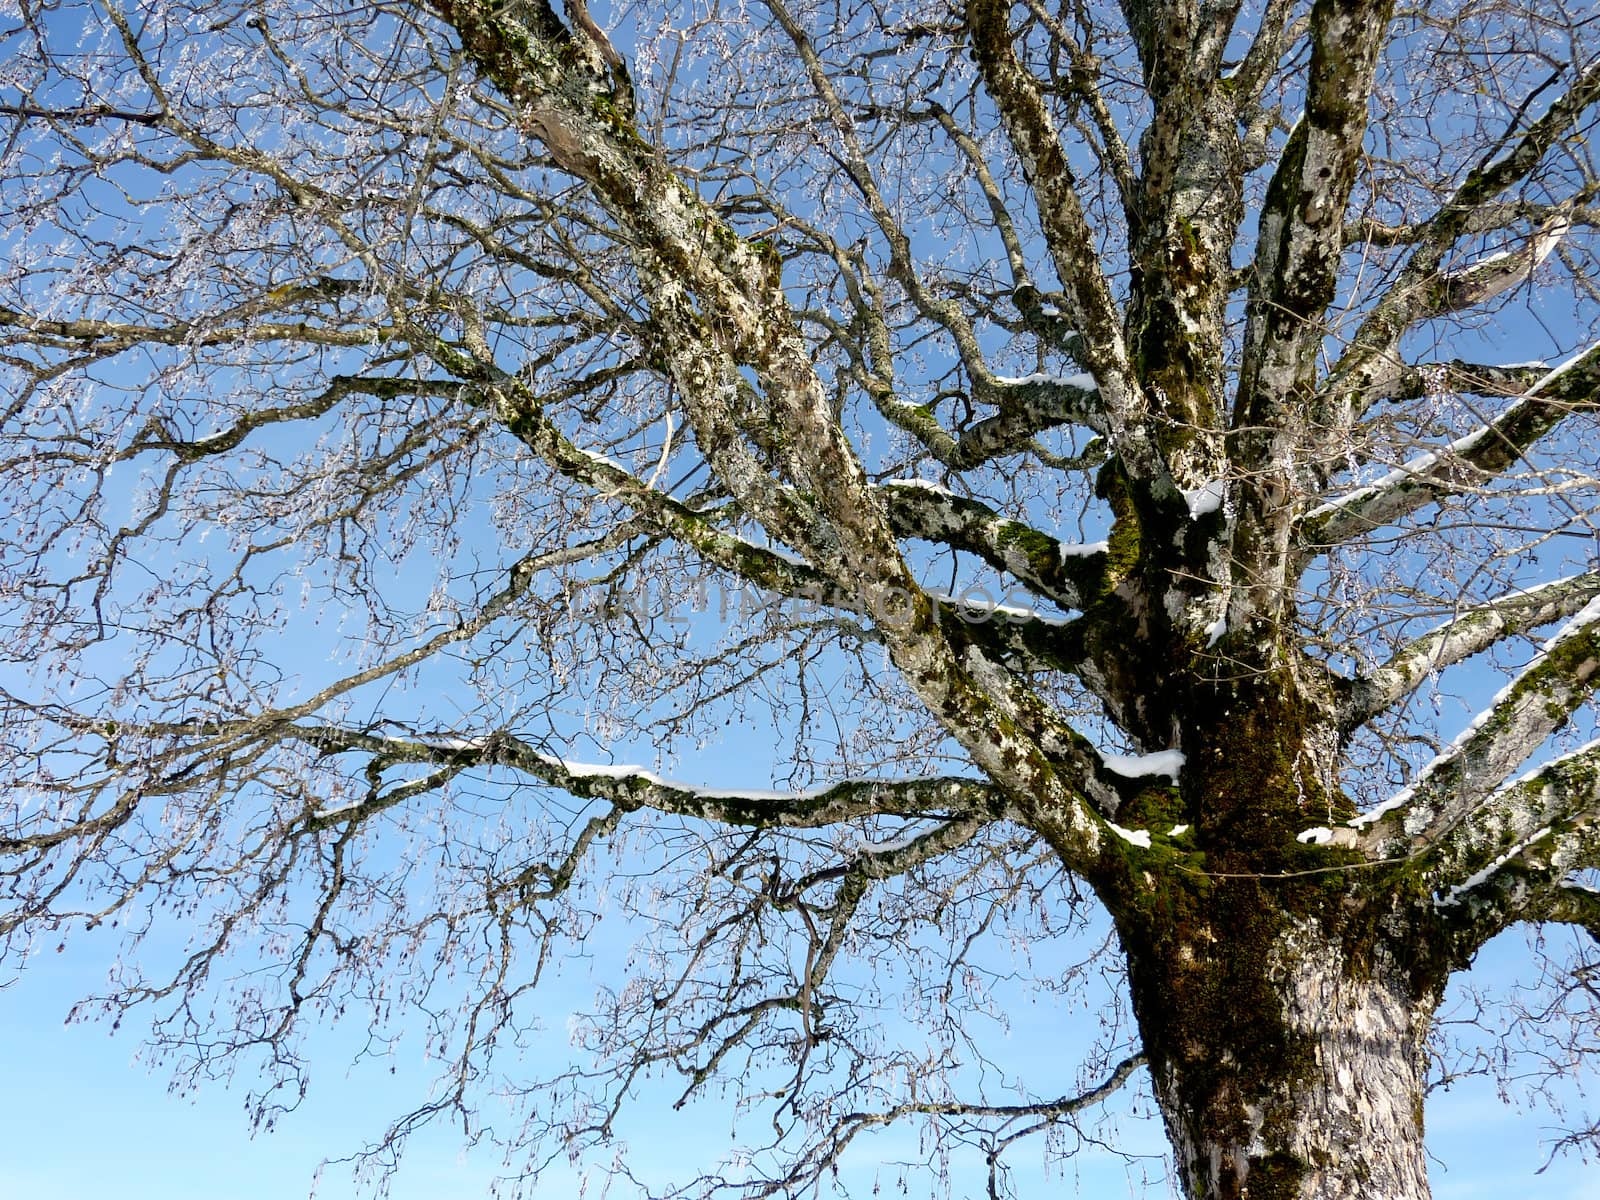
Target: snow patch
{"x": 1410, "y": 468}
{"x": 1563, "y": 369}
{"x": 1587, "y": 615}
{"x": 1082, "y": 549}
{"x": 981, "y": 609}
{"x": 1453, "y": 897}
{"x": 926, "y": 485}
{"x": 888, "y": 846}
{"x": 324, "y": 813}
{"x": 1205, "y": 499}
{"x": 1177, "y": 831}
{"x": 1321, "y": 835}
{"x": 603, "y": 460}
{"x": 1216, "y": 630}
{"x": 1534, "y": 772}
{"x": 1138, "y": 766}
{"x": 580, "y": 770}
{"x": 1134, "y": 837}
{"x": 1083, "y": 381}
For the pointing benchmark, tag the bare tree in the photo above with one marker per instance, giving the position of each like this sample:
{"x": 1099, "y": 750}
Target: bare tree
{"x": 408, "y": 403}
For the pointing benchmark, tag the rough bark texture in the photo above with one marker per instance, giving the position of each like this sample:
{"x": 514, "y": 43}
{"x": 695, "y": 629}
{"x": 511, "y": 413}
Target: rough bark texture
{"x": 1300, "y": 1075}
{"x": 1284, "y": 1006}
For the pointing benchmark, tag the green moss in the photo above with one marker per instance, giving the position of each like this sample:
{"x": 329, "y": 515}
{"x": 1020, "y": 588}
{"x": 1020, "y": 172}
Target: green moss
{"x": 1155, "y": 808}
{"x": 1042, "y": 552}
{"x": 1125, "y": 540}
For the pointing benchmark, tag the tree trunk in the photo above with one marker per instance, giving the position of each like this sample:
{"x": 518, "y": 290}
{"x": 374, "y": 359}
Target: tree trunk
{"x": 1291, "y": 1066}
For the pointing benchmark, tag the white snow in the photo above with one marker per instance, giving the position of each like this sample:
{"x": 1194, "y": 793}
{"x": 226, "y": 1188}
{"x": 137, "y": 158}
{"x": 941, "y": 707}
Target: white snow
{"x": 1486, "y": 260}
{"x": 579, "y": 770}
{"x": 1406, "y": 470}
{"x": 1177, "y": 831}
{"x": 322, "y": 813}
{"x": 1050, "y": 310}
{"x": 926, "y": 484}
{"x": 1134, "y": 837}
{"x": 603, "y": 460}
{"x": 1531, "y": 772}
{"x": 1082, "y": 549}
{"x": 1137, "y": 766}
{"x": 1204, "y": 499}
{"x": 972, "y": 604}
{"x": 1563, "y": 368}
{"x": 1584, "y": 617}
{"x": 1083, "y": 380}
{"x": 1216, "y": 629}
{"x": 1453, "y": 896}
{"x": 1320, "y": 835}
{"x": 1403, "y": 796}
{"x": 1587, "y": 615}
{"x": 1535, "y": 589}
{"x": 888, "y": 846}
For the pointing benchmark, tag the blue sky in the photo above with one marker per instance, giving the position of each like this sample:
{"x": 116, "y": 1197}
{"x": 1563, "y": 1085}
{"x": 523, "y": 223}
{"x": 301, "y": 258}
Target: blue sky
{"x": 80, "y": 1111}
{"x": 83, "y": 1114}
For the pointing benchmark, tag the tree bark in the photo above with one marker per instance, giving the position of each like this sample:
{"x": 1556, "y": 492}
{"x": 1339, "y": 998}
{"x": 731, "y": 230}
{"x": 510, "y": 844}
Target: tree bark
{"x": 1288, "y": 1058}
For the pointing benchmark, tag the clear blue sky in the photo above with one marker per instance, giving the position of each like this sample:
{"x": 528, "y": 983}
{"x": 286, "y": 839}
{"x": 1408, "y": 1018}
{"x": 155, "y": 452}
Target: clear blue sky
{"x": 81, "y": 1118}
{"x": 80, "y": 1115}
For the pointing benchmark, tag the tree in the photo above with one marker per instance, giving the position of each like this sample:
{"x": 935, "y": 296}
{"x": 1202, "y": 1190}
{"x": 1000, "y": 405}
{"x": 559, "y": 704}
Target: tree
{"x": 391, "y": 385}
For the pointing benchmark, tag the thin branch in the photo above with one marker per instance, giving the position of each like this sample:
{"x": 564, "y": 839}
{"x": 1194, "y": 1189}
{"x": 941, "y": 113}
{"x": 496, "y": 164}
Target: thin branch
{"x": 1469, "y": 633}
{"x": 1468, "y": 462}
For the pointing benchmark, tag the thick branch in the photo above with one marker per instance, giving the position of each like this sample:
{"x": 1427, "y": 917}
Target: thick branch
{"x": 1357, "y": 379}
{"x": 633, "y": 788}
{"x": 1512, "y": 860}
{"x": 1065, "y": 573}
{"x": 1092, "y": 309}
{"x": 1454, "y": 790}
{"x": 717, "y": 299}
{"x": 1470, "y": 633}
{"x": 1470, "y": 461}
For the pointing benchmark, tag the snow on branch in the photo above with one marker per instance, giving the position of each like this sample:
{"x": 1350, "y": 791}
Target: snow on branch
{"x": 1462, "y": 777}
{"x": 1464, "y": 463}
{"x": 1063, "y": 572}
{"x": 1091, "y": 307}
{"x": 1469, "y": 633}
{"x": 1027, "y": 406}
{"x": 633, "y": 787}
{"x": 1457, "y": 890}
{"x": 1364, "y": 375}
{"x": 1141, "y": 766}
{"x": 1575, "y": 904}
{"x": 1513, "y": 858}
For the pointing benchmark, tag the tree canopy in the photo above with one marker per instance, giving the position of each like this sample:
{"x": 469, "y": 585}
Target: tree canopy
{"x": 1088, "y": 450}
